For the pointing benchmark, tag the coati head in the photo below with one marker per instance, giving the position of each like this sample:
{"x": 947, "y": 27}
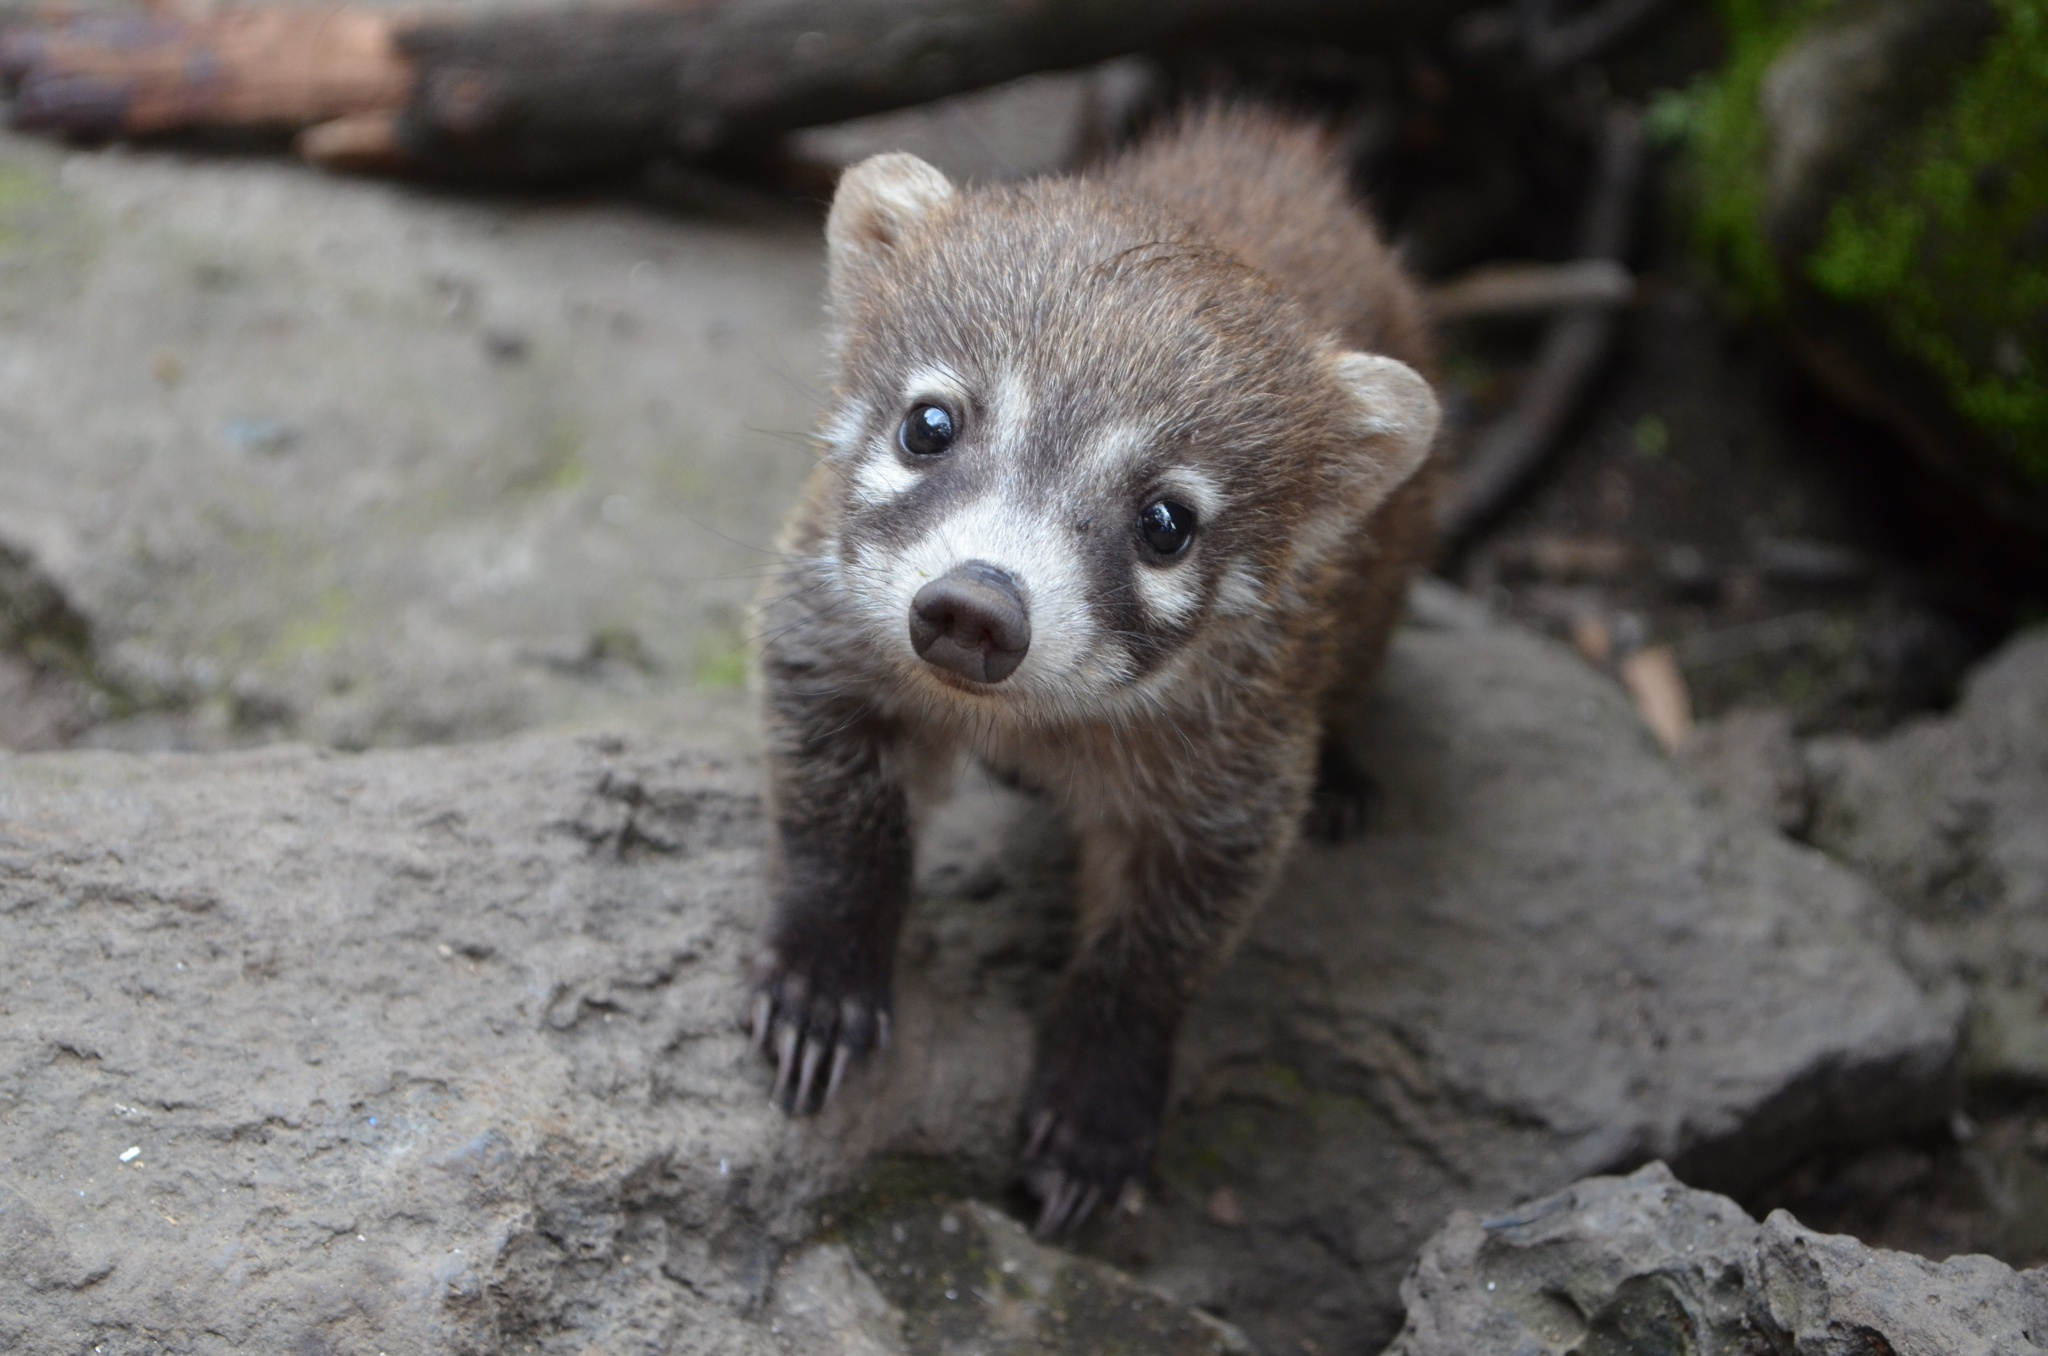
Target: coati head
{"x": 1075, "y": 442}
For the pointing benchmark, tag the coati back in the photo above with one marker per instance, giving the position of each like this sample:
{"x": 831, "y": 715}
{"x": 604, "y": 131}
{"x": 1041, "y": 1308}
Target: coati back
{"x": 1121, "y": 494}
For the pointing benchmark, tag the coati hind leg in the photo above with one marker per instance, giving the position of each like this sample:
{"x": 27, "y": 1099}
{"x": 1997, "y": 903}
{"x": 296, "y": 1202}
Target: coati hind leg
{"x": 1341, "y": 803}
{"x": 823, "y": 973}
{"x": 1161, "y": 908}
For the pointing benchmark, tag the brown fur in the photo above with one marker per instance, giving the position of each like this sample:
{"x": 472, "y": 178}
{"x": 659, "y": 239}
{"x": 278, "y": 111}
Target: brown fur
{"x": 1273, "y": 193}
{"x": 1205, "y": 288}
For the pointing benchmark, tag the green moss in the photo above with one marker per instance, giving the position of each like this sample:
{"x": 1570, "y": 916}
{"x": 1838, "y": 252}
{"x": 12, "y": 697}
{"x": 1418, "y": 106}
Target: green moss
{"x": 1722, "y": 121}
{"x": 46, "y": 239}
{"x": 21, "y": 188}
{"x": 1945, "y": 240}
{"x": 315, "y": 631}
{"x": 1651, "y": 436}
{"x": 555, "y": 465}
{"x": 1942, "y": 238}
{"x": 723, "y": 655}
{"x": 722, "y": 664}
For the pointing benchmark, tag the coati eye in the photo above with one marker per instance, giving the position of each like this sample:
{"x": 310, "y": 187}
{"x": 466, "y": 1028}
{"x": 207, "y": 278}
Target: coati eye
{"x": 1166, "y": 526}
{"x": 927, "y": 431}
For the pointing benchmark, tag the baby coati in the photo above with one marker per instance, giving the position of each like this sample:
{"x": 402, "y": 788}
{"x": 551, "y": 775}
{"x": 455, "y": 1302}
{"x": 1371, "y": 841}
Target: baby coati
{"x": 1120, "y": 497}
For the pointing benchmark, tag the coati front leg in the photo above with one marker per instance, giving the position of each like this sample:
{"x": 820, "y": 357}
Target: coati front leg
{"x": 823, "y": 973}
{"x": 1161, "y": 908}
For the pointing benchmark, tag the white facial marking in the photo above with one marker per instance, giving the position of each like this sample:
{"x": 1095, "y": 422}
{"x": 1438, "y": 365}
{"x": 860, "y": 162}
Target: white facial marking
{"x": 1033, "y": 549}
{"x": 1172, "y": 593}
{"x": 1169, "y": 595}
{"x": 882, "y": 477}
{"x": 1198, "y": 489}
{"x": 936, "y": 385}
{"x": 1111, "y": 452}
{"x": 842, "y": 432}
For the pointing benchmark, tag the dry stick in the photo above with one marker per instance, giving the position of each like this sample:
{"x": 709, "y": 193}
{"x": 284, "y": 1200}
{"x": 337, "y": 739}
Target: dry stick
{"x": 1507, "y": 454}
{"x": 1494, "y": 290}
{"x": 556, "y": 92}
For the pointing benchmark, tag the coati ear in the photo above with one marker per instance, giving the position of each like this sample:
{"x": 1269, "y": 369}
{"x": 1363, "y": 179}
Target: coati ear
{"x": 877, "y": 203}
{"x": 1396, "y": 413}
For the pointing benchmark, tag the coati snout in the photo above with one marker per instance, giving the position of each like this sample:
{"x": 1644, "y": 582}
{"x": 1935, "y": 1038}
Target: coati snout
{"x": 971, "y": 621}
{"x": 1125, "y": 478}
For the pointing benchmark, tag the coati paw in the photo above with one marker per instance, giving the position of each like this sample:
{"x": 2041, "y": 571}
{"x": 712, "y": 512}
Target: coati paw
{"x": 811, "y": 1026}
{"x": 1073, "y": 1169}
{"x": 1342, "y": 801}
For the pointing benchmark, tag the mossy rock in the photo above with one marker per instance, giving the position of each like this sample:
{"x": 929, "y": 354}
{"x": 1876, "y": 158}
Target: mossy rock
{"x": 1873, "y": 175}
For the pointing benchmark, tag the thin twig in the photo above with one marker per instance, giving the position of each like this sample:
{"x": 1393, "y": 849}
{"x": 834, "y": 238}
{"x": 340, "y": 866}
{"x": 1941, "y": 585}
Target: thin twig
{"x": 1523, "y": 289}
{"x": 1506, "y": 456}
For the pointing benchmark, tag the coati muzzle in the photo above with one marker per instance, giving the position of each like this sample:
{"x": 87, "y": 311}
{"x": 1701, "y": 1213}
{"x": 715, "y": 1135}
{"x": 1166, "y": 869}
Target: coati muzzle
{"x": 971, "y": 621}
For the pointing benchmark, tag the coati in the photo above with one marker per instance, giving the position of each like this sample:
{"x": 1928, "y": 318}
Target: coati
{"x": 1122, "y": 487}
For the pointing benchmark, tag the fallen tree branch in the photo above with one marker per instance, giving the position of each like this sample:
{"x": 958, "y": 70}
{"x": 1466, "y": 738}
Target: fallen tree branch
{"x": 555, "y": 92}
{"x": 134, "y": 75}
{"x": 1507, "y": 454}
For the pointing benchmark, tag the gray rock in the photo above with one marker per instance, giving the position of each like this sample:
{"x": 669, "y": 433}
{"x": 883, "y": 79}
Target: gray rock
{"x": 436, "y": 1050}
{"x": 1750, "y": 763}
{"x": 1643, "y": 1263}
{"x": 46, "y": 696}
{"x": 961, "y": 1276}
{"x": 1546, "y": 958}
{"x": 356, "y": 463}
{"x": 1946, "y": 815}
{"x": 421, "y": 1052}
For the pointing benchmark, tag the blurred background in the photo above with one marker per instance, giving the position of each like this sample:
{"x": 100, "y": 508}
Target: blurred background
{"x": 401, "y": 379}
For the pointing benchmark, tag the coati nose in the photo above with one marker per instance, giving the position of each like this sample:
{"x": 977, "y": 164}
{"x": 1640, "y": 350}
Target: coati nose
{"x": 971, "y": 621}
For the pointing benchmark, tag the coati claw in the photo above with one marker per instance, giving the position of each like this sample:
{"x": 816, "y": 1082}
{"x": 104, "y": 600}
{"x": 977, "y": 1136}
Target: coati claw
{"x": 814, "y": 1055}
{"x": 1089, "y": 1200}
{"x": 1052, "y": 1211}
{"x": 1067, "y": 1205}
{"x": 1072, "y": 1177}
{"x": 796, "y": 1015}
{"x": 785, "y": 1061}
{"x": 1041, "y": 1126}
{"x": 842, "y": 1055}
{"x": 1092, "y": 1118}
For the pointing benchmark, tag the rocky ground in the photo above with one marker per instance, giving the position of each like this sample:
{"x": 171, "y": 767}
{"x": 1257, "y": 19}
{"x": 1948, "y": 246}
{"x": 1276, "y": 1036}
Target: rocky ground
{"x": 345, "y": 462}
{"x": 416, "y": 1031}
{"x": 437, "y": 1049}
